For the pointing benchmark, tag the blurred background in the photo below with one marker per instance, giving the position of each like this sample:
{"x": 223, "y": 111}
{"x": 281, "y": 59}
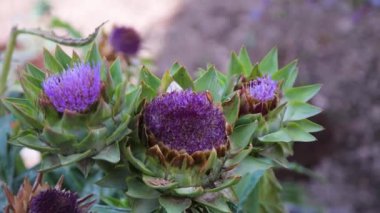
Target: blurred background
{"x": 337, "y": 43}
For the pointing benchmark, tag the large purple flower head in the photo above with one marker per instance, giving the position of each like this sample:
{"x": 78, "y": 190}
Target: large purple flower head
{"x": 262, "y": 89}
{"x": 53, "y": 200}
{"x": 125, "y": 40}
{"x": 76, "y": 89}
{"x": 187, "y": 121}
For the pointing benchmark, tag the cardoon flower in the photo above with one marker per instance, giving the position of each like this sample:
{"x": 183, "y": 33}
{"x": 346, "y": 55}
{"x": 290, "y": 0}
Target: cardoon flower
{"x": 262, "y": 89}
{"x": 41, "y": 198}
{"x": 259, "y": 95}
{"x": 125, "y": 40}
{"x": 76, "y": 89}
{"x": 79, "y": 115}
{"x": 186, "y": 121}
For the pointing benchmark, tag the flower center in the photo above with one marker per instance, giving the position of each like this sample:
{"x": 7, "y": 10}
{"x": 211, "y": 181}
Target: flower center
{"x": 186, "y": 121}
{"x": 53, "y": 200}
{"x": 262, "y": 89}
{"x": 75, "y": 89}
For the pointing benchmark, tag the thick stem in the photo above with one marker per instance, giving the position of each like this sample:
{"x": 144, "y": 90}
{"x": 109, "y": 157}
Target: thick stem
{"x": 7, "y": 60}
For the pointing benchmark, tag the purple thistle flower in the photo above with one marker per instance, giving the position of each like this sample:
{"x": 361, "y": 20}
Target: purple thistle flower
{"x": 186, "y": 120}
{"x": 75, "y": 89}
{"x": 262, "y": 89}
{"x": 53, "y": 200}
{"x": 125, "y": 40}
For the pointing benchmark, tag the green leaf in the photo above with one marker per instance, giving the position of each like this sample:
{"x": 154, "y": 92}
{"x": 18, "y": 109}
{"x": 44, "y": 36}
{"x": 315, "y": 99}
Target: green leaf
{"x": 66, "y": 160}
{"x": 189, "y": 191}
{"x": 226, "y": 183}
{"x": 174, "y": 205}
{"x": 110, "y": 153}
{"x": 210, "y": 82}
{"x": 308, "y": 126}
{"x": 144, "y": 205}
{"x": 138, "y": 189}
{"x": 214, "y": 201}
{"x": 51, "y": 63}
{"x": 303, "y": 93}
{"x": 22, "y": 109}
{"x": 108, "y": 209}
{"x": 299, "y": 110}
{"x": 30, "y": 140}
{"x": 269, "y": 64}
{"x": 231, "y": 109}
{"x": 147, "y": 92}
{"x": 287, "y": 74}
{"x": 278, "y": 136}
{"x": 149, "y": 78}
{"x": 62, "y": 57}
{"x": 136, "y": 162}
{"x": 235, "y": 67}
{"x": 116, "y": 72}
{"x": 158, "y": 183}
{"x": 35, "y": 72}
{"x": 183, "y": 78}
{"x": 165, "y": 81}
{"x": 245, "y": 61}
{"x": 296, "y": 133}
{"x": 242, "y": 135}
{"x": 93, "y": 56}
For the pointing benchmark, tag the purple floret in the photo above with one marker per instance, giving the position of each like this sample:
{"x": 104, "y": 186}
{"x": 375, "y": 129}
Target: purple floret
{"x": 53, "y": 200}
{"x": 186, "y": 120}
{"x": 125, "y": 40}
{"x": 262, "y": 89}
{"x": 75, "y": 89}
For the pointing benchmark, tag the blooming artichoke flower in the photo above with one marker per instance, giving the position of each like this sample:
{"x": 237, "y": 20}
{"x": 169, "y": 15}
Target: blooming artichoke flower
{"x": 41, "y": 198}
{"x": 181, "y": 152}
{"x": 76, "y": 89}
{"x": 259, "y": 96}
{"x": 125, "y": 40}
{"x": 74, "y": 112}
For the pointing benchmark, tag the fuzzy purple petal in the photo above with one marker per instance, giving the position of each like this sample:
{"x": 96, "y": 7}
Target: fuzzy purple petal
{"x": 75, "y": 89}
{"x": 186, "y": 120}
{"x": 262, "y": 89}
{"x": 53, "y": 200}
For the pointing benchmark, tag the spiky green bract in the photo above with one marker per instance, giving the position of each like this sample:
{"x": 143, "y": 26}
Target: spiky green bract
{"x": 65, "y": 136}
{"x": 279, "y": 122}
{"x": 162, "y": 177}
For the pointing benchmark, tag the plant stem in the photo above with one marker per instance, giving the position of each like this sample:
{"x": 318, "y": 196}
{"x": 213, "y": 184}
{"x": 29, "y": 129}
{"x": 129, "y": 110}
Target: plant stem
{"x": 7, "y": 60}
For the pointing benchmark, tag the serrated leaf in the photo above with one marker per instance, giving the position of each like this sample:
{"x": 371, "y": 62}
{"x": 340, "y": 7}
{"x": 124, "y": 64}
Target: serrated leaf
{"x": 231, "y": 109}
{"x": 303, "y": 93}
{"x": 150, "y": 79}
{"x": 287, "y": 74}
{"x": 299, "y": 110}
{"x": 174, "y": 205}
{"x": 116, "y": 72}
{"x": 242, "y": 135}
{"x": 35, "y": 72}
{"x": 66, "y": 160}
{"x": 269, "y": 64}
{"x": 183, "y": 78}
{"x": 235, "y": 67}
{"x": 210, "y": 82}
{"x": 62, "y": 57}
{"x": 278, "y": 136}
{"x": 22, "y": 109}
{"x": 226, "y": 183}
{"x": 51, "y": 63}
{"x": 147, "y": 92}
{"x": 136, "y": 162}
{"x": 189, "y": 191}
{"x": 214, "y": 201}
{"x": 165, "y": 81}
{"x": 110, "y": 153}
{"x": 245, "y": 61}
{"x": 296, "y": 133}
{"x": 308, "y": 126}
{"x": 93, "y": 56}
{"x": 138, "y": 189}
